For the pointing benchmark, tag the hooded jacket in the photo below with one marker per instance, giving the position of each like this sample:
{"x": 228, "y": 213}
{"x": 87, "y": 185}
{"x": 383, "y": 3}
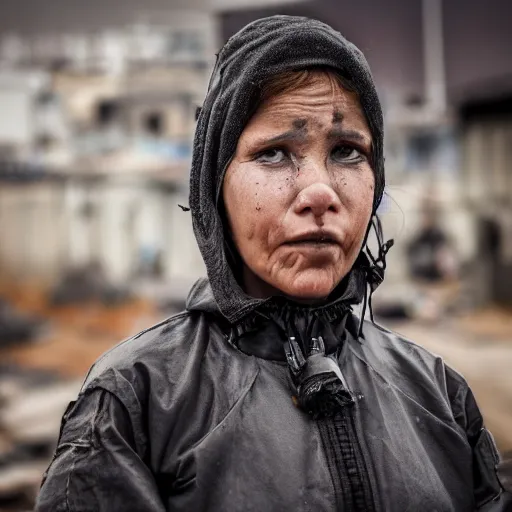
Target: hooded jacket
{"x": 240, "y": 404}
{"x": 186, "y": 417}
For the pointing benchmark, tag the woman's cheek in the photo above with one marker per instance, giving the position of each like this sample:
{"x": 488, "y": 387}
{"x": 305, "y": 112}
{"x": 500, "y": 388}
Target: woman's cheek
{"x": 357, "y": 190}
{"x": 270, "y": 202}
{"x": 262, "y": 208}
{"x": 255, "y": 209}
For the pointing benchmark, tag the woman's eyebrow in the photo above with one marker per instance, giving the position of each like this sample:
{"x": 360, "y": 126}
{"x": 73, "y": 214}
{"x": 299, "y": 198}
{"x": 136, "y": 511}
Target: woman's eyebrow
{"x": 340, "y": 133}
{"x": 298, "y": 135}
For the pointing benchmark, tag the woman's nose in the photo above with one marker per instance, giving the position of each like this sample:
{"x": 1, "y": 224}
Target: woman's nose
{"x": 318, "y": 199}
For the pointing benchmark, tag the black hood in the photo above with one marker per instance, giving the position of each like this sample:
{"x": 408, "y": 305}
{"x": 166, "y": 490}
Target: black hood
{"x": 260, "y": 50}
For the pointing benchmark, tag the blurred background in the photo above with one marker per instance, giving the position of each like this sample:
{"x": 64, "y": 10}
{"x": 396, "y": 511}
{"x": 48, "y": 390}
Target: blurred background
{"x": 97, "y": 114}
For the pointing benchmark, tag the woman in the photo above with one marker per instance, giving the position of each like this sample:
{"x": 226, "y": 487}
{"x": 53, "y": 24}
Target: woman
{"x": 267, "y": 393}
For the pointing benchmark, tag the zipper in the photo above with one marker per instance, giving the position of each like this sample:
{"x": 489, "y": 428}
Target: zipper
{"x": 367, "y": 466}
{"x": 346, "y": 463}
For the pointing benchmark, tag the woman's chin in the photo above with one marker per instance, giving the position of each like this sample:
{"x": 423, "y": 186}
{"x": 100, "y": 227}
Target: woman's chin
{"x": 304, "y": 285}
{"x": 310, "y": 287}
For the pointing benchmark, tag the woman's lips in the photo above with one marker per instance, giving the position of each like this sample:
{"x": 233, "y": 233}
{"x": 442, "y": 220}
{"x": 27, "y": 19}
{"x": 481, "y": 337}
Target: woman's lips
{"x": 314, "y": 238}
{"x": 315, "y": 243}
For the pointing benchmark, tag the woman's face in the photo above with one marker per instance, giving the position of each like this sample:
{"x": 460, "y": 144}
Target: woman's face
{"x": 299, "y": 191}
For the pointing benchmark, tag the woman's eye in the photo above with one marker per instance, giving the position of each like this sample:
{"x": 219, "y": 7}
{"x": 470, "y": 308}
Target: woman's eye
{"x": 272, "y": 156}
{"x": 346, "y": 154}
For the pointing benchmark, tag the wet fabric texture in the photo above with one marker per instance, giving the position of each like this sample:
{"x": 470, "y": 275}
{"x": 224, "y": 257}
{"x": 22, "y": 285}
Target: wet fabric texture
{"x": 180, "y": 418}
{"x": 215, "y": 409}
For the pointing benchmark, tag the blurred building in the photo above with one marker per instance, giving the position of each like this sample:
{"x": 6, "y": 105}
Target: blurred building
{"x": 101, "y": 111}
{"x": 486, "y": 136}
{"x": 95, "y": 150}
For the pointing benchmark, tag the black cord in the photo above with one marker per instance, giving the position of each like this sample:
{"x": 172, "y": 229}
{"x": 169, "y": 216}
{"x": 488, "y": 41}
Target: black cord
{"x": 363, "y": 312}
{"x": 374, "y": 268}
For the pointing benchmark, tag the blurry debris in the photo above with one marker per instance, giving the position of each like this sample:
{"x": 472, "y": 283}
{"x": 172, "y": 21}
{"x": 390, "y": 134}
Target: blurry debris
{"x": 16, "y": 327}
{"x": 34, "y": 418}
{"x": 392, "y": 311}
{"x": 80, "y": 334}
{"x": 21, "y": 453}
{"x": 21, "y": 378}
{"x": 85, "y": 284}
{"x": 19, "y": 485}
{"x": 423, "y": 305}
{"x": 31, "y": 406}
{"x": 494, "y": 325}
{"x": 169, "y": 296}
{"x": 184, "y": 208}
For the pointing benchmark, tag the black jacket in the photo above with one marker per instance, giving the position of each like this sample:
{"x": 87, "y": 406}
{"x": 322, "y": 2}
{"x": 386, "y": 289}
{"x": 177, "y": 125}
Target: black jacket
{"x": 195, "y": 414}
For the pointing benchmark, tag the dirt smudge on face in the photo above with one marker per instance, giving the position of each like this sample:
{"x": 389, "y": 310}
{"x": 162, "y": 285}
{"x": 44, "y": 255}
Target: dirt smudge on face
{"x": 300, "y": 124}
{"x": 337, "y": 117}
{"x": 295, "y": 163}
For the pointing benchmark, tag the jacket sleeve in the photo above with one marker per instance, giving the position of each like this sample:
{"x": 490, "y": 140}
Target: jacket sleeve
{"x": 96, "y": 466}
{"x": 489, "y": 491}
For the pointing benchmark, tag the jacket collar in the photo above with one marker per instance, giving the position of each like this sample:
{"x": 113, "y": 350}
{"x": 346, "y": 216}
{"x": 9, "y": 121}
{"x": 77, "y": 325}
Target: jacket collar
{"x": 264, "y": 331}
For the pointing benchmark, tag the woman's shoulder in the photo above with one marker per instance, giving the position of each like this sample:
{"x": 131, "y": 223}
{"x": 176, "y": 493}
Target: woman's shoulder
{"x": 162, "y": 349}
{"x": 407, "y": 364}
{"x": 379, "y": 340}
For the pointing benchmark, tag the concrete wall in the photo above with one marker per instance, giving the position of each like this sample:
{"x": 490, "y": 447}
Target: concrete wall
{"x": 32, "y": 227}
{"x": 45, "y": 228}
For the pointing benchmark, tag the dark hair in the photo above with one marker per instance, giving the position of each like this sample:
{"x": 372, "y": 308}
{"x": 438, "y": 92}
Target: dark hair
{"x": 292, "y": 80}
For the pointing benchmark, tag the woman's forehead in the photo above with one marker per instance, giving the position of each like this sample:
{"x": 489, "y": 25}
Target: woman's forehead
{"x": 320, "y": 105}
